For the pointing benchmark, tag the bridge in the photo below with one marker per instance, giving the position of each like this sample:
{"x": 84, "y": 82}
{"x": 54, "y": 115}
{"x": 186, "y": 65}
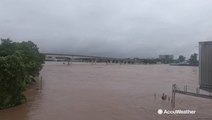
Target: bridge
{"x": 86, "y": 58}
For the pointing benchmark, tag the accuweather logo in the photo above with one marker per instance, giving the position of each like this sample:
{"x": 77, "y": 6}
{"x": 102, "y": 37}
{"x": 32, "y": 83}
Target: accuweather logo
{"x": 175, "y": 112}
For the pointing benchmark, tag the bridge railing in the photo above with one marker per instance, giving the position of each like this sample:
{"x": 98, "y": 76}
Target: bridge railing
{"x": 189, "y": 90}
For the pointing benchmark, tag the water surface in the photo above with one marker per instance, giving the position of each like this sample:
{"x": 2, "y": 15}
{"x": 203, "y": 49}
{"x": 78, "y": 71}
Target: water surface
{"x": 109, "y": 92}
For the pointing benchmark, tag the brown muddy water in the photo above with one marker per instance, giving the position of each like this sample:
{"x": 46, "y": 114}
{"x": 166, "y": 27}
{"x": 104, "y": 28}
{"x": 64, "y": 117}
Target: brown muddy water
{"x": 109, "y": 92}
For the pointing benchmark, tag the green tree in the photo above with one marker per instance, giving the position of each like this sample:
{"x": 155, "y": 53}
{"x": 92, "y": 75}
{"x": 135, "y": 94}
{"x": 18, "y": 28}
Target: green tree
{"x": 181, "y": 59}
{"x": 193, "y": 60}
{"x": 12, "y": 80}
{"x": 31, "y": 57}
{"x": 6, "y": 47}
{"x": 19, "y": 64}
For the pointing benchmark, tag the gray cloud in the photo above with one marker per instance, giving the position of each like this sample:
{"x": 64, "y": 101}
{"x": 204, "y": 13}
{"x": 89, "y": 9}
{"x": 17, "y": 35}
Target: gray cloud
{"x": 122, "y": 28}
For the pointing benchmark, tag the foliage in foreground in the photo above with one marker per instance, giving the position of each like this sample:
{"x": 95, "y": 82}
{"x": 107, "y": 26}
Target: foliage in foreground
{"x": 19, "y": 63}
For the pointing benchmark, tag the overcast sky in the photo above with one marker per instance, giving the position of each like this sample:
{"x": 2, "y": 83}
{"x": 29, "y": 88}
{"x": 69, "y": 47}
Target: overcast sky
{"x": 116, "y": 28}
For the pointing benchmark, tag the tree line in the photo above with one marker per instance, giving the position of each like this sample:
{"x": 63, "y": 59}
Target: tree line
{"x": 20, "y": 62}
{"x": 192, "y": 61}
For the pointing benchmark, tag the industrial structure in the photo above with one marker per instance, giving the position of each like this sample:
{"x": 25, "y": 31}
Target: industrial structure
{"x": 205, "y": 76}
{"x": 205, "y": 65}
{"x": 166, "y": 58}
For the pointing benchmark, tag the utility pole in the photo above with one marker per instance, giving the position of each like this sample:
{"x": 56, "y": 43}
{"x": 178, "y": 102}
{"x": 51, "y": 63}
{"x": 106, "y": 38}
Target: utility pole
{"x": 173, "y": 96}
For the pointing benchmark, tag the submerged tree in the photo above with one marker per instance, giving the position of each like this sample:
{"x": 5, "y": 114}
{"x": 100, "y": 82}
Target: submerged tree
{"x": 19, "y": 63}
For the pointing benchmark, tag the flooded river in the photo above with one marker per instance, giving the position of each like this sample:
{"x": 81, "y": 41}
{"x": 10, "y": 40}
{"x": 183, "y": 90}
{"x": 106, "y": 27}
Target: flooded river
{"x": 109, "y": 92}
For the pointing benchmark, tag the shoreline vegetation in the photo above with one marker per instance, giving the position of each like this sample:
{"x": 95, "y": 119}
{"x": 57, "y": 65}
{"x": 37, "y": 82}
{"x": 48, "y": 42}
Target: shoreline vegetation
{"x": 20, "y": 63}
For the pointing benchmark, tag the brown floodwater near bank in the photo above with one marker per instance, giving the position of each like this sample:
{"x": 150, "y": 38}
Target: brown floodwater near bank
{"x": 109, "y": 92}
